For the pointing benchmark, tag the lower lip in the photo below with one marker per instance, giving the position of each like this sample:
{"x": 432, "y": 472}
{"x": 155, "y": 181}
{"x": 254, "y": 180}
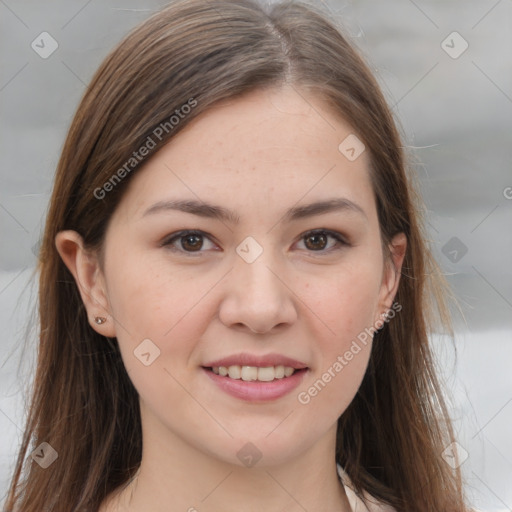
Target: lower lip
{"x": 256, "y": 391}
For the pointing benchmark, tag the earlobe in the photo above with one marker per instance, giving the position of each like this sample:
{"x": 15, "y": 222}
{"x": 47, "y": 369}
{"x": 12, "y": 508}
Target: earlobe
{"x": 85, "y": 268}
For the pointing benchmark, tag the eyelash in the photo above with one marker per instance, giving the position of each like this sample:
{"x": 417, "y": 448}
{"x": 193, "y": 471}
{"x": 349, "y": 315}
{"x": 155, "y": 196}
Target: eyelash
{"x": 340, "y": 240}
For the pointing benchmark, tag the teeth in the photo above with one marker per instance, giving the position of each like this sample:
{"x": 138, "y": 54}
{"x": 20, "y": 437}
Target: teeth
{"x": 234, "y": 372}
{"x": 266, "y": 374}
{"x": 288, "y": 371}
{"x": 251, "y": 373}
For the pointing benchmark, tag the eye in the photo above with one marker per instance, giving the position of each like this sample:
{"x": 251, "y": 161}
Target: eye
{"x": 322, "y": 240}
{"x": 188, "y": 241}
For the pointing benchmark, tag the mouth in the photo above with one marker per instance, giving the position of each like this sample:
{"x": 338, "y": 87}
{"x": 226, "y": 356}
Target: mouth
{"x": 256, "y": 379}
{"x": 255, "y": 373}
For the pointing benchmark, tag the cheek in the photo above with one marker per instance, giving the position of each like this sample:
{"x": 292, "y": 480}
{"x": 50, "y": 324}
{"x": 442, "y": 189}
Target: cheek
{"x": 148, "y": 302}
{"x": 158, "y": 321}
{"x": 344, "y": 301}
{"x": 344, "y": 305}
{"x": 148, "y": 298}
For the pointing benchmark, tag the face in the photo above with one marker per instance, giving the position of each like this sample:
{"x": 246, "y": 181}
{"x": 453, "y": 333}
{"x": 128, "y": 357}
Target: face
{"x": 249, "y": 245}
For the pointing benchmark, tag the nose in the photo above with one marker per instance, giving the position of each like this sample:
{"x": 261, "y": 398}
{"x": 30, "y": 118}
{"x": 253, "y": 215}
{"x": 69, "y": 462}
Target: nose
{"x": 257, "y": 297}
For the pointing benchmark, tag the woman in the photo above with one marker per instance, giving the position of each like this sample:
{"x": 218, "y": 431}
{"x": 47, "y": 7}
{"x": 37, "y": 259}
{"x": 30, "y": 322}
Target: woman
{"x": 235, "y": 290}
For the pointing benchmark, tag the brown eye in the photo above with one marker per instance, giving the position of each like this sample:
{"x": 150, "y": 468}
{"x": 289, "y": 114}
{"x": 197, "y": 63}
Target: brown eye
{"x": 187, "y": 242}
{"x": 323, "y": 241}
{"x": 316, "y": 241}
{"x": 192, "y": 242}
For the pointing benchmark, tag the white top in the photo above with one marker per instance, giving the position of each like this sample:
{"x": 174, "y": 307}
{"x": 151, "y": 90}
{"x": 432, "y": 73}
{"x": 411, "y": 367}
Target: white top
{"x": 369, "y": 504}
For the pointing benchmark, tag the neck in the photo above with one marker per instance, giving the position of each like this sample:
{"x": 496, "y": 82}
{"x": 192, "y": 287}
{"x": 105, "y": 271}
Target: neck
{"x": 176, "y": 476}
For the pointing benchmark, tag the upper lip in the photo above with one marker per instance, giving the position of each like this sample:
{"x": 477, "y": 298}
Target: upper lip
{"x": 259, "y": 361}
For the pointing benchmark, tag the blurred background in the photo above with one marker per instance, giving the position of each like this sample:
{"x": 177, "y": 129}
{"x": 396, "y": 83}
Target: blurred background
{"x": 445, "y": 68}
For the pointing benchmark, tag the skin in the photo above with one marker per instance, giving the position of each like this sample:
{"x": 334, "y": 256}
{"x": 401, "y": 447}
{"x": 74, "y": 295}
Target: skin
{"x": 258, "y": 156}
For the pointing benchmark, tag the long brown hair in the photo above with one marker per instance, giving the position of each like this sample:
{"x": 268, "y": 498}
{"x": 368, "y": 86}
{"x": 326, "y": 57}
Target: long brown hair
{"x": 391, "y": 437}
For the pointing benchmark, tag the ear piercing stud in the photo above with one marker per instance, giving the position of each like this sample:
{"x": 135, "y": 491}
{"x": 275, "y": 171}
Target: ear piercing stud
{"x": 100, "y": 320}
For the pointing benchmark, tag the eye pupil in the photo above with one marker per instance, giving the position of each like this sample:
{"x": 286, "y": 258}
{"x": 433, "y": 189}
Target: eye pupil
{"x": 192, "y": 242}
{"x": 318, "y": 241}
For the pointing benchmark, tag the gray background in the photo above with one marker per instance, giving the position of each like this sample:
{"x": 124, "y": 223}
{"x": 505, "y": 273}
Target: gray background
{"x": 456, "y": 116}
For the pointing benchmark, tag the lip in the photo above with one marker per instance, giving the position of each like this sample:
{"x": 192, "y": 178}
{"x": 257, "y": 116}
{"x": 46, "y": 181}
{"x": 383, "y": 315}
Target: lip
{"x": 263, "y": 361}
{"x": 255, "y": 391}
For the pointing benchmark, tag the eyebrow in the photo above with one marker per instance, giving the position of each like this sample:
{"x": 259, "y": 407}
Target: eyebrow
{"x": 203, "y": 209}
{"x": 320, "y": 207}
{"x": 195, "y": 207}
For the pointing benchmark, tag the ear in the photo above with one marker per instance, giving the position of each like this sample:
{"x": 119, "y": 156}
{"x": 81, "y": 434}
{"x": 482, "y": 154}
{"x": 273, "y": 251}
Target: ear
{"x": 391, "y": 274}
{"x": 84, "y": 266}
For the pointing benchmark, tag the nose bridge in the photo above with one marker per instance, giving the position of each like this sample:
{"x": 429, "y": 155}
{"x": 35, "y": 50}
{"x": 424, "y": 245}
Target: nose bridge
{"x": 255, "y": 277}
{"x": 256, "y": 295}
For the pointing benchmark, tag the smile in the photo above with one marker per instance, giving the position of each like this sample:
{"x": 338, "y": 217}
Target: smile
{"x": 254, "y": 373}
{"x": 256, "y": 390}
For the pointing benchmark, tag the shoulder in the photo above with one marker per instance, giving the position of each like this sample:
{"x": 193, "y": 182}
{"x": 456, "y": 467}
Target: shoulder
{"x": 365, "y": 503}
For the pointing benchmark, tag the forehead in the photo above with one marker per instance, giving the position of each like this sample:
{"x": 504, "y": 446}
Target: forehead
{"x": 265, "y": 148}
